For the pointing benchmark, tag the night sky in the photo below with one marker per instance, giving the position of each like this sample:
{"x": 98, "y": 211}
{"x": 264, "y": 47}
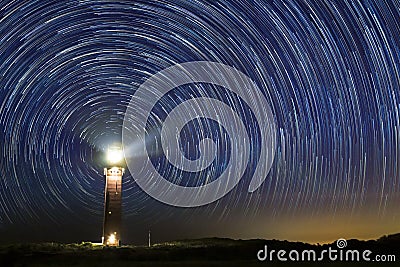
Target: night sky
{"x": 329, "y": 70}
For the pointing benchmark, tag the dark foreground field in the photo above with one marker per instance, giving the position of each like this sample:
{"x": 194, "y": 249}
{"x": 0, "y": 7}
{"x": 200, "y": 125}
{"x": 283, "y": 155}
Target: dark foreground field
{"x": 200, "y": 252}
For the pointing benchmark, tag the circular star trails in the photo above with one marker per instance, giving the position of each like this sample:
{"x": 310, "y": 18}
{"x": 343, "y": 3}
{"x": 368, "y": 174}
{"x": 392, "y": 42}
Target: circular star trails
{"x": 328, "y": 69}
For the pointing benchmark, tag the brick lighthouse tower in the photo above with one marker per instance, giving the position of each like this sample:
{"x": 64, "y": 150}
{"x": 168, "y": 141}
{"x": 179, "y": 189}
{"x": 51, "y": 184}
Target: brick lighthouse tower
{"x": 112, "y": 198}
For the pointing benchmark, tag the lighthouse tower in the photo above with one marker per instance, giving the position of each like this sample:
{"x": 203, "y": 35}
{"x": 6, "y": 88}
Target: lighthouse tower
{"x": 112, "y": 198}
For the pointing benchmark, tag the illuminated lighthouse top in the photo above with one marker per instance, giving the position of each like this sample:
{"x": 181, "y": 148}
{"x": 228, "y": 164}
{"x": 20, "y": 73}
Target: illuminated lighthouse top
{"x": 115, "y": 156}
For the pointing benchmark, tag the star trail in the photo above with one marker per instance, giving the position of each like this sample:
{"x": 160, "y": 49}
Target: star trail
{"x": 329, "y": 71}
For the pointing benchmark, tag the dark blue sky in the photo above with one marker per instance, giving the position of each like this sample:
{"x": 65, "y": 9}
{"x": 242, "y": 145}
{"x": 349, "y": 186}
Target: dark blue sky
{"x": 329, "y": 70}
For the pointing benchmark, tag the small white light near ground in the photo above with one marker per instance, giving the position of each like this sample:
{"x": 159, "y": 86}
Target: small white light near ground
{"x": 111, "y": 240}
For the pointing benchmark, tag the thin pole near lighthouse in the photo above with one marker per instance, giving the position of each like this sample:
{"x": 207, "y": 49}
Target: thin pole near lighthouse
{"x": 149, "y": 238}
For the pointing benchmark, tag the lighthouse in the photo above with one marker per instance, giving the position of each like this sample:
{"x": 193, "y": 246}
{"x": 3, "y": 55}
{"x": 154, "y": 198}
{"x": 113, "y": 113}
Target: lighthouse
{"x": 112, "y": 197}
